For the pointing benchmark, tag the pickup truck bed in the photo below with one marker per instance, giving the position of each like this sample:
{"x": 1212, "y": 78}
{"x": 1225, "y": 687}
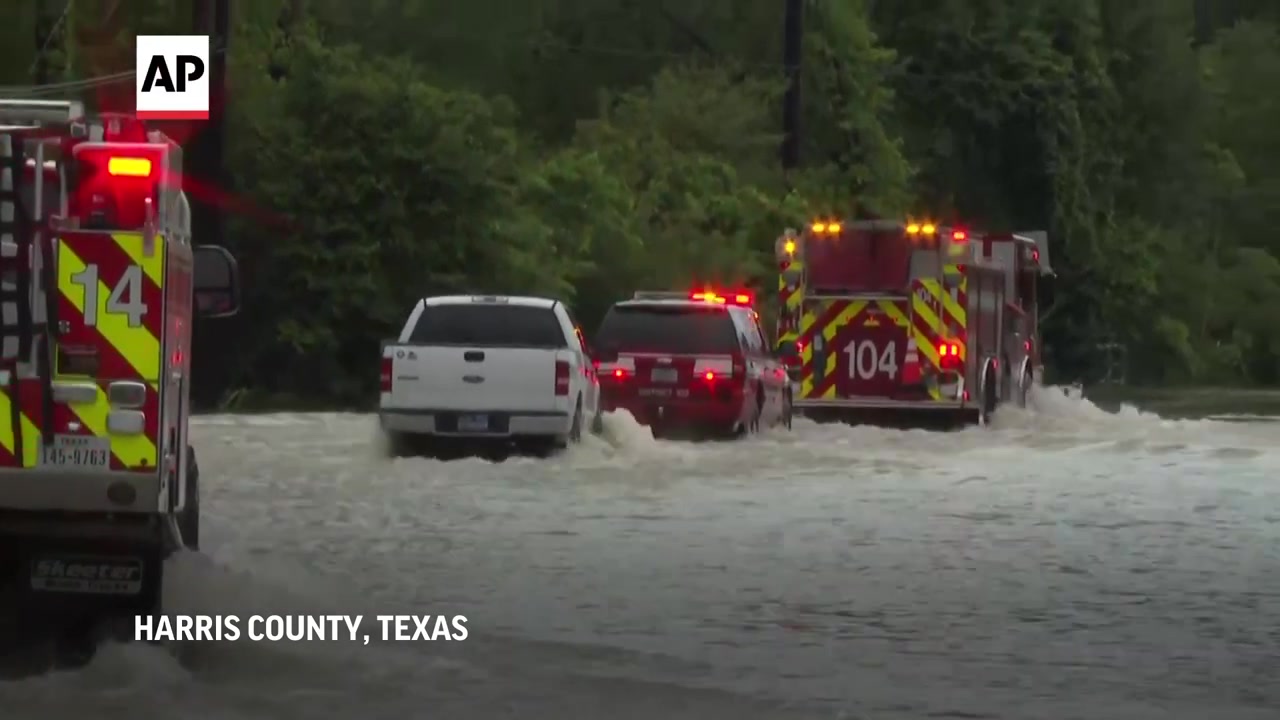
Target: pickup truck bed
{"x": 487, "y": 368}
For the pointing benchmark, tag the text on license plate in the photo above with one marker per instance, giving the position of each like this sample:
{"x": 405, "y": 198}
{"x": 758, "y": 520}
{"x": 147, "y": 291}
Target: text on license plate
{"x": 664, "y": 375}
{"x": 77, "y": 451}
{"x": 473, "y": 423}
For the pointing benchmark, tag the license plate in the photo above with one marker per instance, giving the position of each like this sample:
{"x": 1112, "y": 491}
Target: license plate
{"x": 664, "y": 375}
{"x": 473, "y": 423}
{"x": 77, "y": 451}
{"x": 89, "y": 575}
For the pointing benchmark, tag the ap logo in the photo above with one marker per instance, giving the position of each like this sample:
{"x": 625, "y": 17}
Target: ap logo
{"x": 173, "y": 77}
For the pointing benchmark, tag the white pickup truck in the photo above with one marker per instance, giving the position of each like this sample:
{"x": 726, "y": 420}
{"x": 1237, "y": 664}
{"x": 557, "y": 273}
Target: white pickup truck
{"x": 502, "y": 369}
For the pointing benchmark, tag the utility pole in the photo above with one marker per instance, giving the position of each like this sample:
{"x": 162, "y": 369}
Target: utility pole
{"x": 792, "y": 50}
{"x": 218, "y": 111}
{"x": 206, "y": 149}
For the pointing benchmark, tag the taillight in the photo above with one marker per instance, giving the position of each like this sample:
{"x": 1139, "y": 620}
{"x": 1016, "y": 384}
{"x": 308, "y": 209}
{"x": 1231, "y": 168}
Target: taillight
{"x": 619, "y": 374}
{"x": 385, "y": 377}
{"x": 562, "y": 378}
{"x": 709, "y": 376}
{"x": 949, "y": 355}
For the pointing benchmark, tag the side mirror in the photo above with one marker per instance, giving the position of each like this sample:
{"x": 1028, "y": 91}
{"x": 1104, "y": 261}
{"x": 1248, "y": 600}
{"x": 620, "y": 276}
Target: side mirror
{"x": 605, "y": 355}
{"x": 788, "y": 349}
{"x": 216, "y": 278}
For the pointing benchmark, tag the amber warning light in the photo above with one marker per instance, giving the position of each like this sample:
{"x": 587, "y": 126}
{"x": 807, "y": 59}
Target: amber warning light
{"x": 711, "y": 297}
{"x": 129, "y": 167}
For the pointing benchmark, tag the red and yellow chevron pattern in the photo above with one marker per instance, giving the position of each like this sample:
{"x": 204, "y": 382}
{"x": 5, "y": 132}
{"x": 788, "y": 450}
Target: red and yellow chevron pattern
{"x": 790, "y": 301}
{"x": 111, "y": 302}
{"x": 824, "y": 319}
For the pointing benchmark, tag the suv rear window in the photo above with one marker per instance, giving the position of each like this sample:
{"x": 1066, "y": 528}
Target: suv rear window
{"x": 674, "y": 329}
{"x": 488, "y": 325}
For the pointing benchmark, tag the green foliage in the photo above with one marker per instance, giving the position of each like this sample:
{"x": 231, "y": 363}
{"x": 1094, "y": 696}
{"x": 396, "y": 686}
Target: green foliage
{"x": 587, "y": 148}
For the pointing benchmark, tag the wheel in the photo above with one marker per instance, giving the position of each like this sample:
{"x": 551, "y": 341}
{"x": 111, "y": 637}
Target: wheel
{"x": 397, "y": 444}
{"x": 786, "y": 410}
{"x": 758, "y": 420}
{"x": 597, "y": 424}
{"x": 189, "y": 519}
{"x": 1024, "y": 392}
{"x": 575, "y": 430}
{"x": 989, "y": 399}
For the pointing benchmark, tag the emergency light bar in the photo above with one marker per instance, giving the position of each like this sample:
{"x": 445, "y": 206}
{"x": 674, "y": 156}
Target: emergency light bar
{"x": 826, "y": 228}
{"x": 35, "y": 113}
{"x": 711, "y": 297}
{"x": 659, "y": 295}
{"x": 707, "y": 296}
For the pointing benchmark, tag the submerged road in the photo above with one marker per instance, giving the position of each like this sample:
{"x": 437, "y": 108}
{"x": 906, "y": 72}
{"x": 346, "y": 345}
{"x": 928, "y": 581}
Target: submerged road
{"x": 1068, "y": 563}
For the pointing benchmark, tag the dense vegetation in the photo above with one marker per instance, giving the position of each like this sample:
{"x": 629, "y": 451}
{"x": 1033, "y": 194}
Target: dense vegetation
{"x": 383, "y": 149}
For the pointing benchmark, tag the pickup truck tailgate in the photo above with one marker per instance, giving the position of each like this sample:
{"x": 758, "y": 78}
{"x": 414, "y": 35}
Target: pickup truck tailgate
{"x": 460, "y": 378}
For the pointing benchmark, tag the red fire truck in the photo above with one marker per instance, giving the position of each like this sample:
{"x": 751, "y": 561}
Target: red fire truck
{"x": 892, "y": 319}
{"x": 99, "y": 283}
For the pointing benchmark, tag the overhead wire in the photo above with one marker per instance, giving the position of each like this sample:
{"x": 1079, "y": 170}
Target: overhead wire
{"x": 900, "y": 71}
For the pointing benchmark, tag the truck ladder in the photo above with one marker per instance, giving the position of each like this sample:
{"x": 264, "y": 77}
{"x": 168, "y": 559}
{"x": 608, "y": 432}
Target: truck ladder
{"x": 22, "y": 255}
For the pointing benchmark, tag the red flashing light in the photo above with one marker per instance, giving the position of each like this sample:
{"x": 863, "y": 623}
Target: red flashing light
{"x": 959, "y": 236}
{"x": 949, "y": 355}
{"x": 619, "y": 373}
{"x": 709, "y": 376}
{"x": 742, "y": 299}
{"x": 114, "y": 185}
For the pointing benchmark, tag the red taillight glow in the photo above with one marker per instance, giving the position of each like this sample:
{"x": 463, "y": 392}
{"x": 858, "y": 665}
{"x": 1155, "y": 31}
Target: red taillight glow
{"x": 385, "y": 377}
{"x": 959, "y": 236}
{"x": 562, "y": 378}
{"x": 949, "y": 355}
{"x": 709, "y": 376}
{"x": 619, "y": 373}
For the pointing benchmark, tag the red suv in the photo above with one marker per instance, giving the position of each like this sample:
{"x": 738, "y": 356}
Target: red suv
{"x": 695, "y": 364}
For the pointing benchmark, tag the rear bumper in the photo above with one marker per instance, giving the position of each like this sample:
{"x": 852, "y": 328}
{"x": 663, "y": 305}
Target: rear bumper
{"x": 38, "y": 490}
{"x": 710, "y": 412}
{"x": 880, "y": 404}
{"x": 502, "y": 423}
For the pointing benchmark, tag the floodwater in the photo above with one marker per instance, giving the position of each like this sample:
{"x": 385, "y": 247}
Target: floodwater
{"x": 1066, "y": 563}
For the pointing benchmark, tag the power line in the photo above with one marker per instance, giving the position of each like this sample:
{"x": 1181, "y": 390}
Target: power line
{"x": 973, "y": 80}
{"x": 76, "y": 85}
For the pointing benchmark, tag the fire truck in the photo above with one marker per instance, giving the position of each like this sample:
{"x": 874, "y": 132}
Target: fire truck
{"x": 912, "y": 321}
{"x": 99, "y": 282}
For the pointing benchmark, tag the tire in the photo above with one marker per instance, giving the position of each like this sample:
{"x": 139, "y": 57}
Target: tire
{"x": 786, "y": 410}
{"x": 758, "y": 421}
{"x": 575, "y": 430}
{"x": 987, "y": 409}
{"x": 397, "y": 444}
{"x": 1024, "y": 392}
{"x": 189, "y": 518}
